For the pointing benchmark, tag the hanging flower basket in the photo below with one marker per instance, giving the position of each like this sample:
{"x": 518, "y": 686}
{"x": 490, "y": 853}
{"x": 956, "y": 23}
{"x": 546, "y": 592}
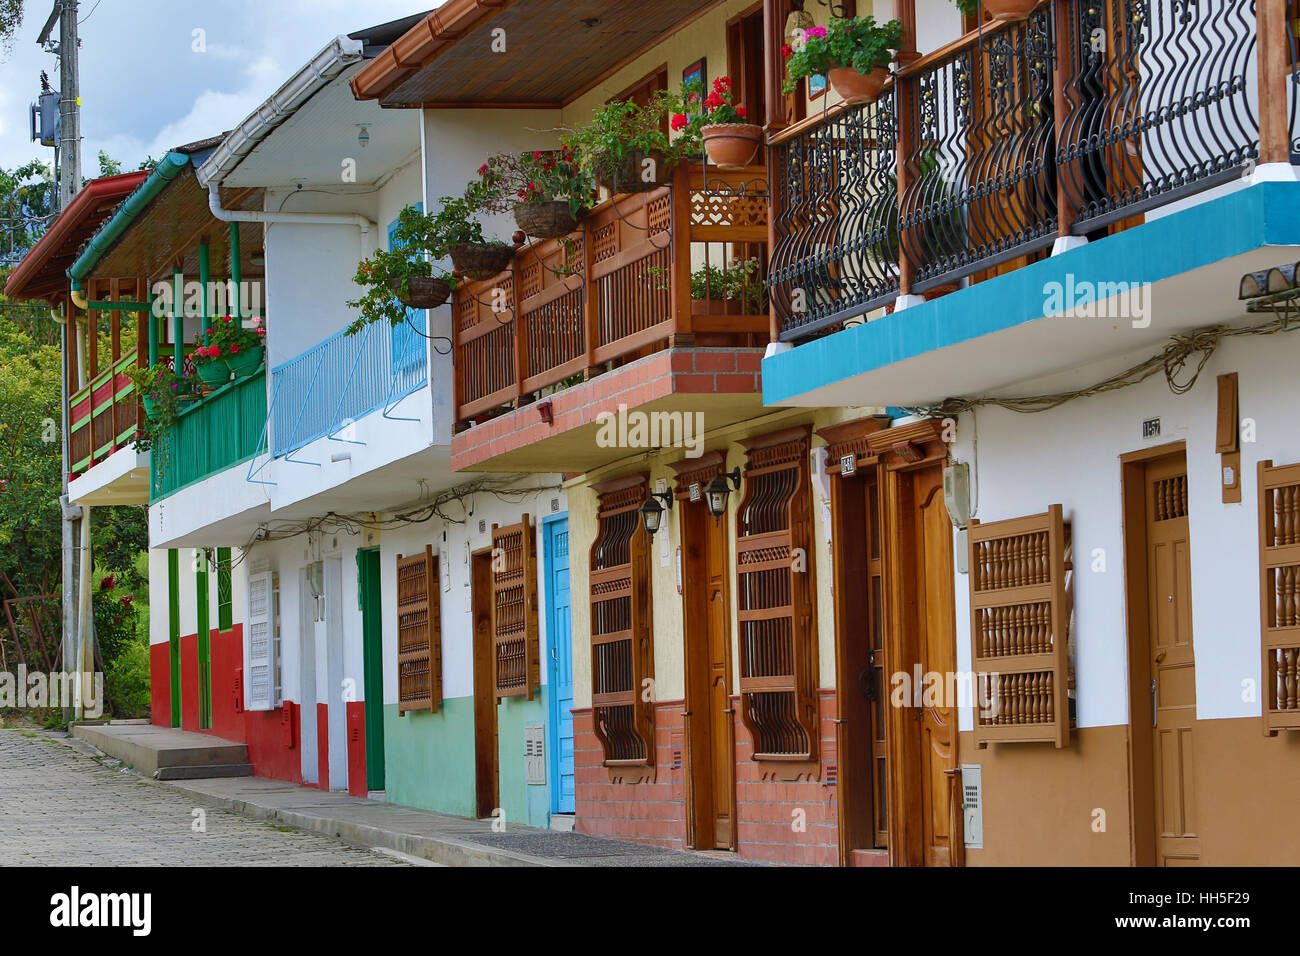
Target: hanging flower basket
{"x": 151, "y": 409}
{"x": 425, "y": 292}
{"x": 855, "y": 87}
{"x": 213, "y": 374}
{"x": 1009, "y": 9}
{"x": 639, "y": 173}
{"x": 547, "y": 220}
{"x": 731, "y": 145}
{"x": 481, "y": 260}
{"x": 246, "y": 361}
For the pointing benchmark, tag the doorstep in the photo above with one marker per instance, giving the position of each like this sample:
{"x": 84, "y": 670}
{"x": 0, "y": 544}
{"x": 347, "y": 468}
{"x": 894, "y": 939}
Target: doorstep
{"x": 165, "y": 753}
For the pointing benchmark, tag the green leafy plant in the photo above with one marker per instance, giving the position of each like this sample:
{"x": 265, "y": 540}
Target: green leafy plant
{"x": 623, "y": 130}
{"x": 555, "y": 175}
{"x": 741, "y": 281}
{"x": 418, "y": 238}
{"x": 229, "y": 337}
{"x": 858, "y": 42}
{"x": 968, "y": 7}
{"x": 166, "y": 394}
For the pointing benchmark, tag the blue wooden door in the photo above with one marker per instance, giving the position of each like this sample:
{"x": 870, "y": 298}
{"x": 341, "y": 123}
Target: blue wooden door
{"x": 559, "y": 630}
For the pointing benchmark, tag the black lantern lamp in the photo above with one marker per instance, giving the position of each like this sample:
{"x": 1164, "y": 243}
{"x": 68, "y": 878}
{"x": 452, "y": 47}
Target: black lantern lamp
{"x": 652, "y": 512}
{"x": 715, "y": 495}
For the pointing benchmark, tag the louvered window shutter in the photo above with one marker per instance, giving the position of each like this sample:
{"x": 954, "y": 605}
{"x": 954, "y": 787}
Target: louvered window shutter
{"x": 419, "y": 633}
{"x": 622, "y": 641}
{"x": 1279, "y": 594}
{"x": 1019, "y": 628}
{"x": 775, "y": 594}
{"x": 517, "y": 671}
{"x": 261, "y": 644}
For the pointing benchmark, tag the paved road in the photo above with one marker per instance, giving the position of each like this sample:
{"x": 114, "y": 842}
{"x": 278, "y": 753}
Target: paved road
{"x": 62, "y": 807}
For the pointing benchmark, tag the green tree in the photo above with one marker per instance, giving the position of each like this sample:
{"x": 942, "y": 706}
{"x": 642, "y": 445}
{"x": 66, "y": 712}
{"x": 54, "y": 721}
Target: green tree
{"x": 11, "y": 18}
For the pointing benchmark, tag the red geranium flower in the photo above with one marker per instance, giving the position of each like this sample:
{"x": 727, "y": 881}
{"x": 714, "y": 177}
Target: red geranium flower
{"x": 108, "y": 583}
{"x": 740, "y": 111}
{"x": 234, "y": 350}
{"x": 679, "y": 121}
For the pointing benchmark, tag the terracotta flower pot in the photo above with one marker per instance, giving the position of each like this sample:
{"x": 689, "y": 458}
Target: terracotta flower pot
{"x": 481, "y": 260}
{"x": 855, "y": 87}
{"x": 1009, "y": 9}
{"x": 546, "y": 220}
{"x": 426, "y": 292}
{"x": 731, "y": 145}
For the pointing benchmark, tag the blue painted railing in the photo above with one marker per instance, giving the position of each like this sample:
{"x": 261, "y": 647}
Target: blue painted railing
{"x": 345, "y": 378}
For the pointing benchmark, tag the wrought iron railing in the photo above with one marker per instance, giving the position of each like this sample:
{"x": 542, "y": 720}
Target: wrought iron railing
{"x": 836, "y": 226}
{"x": 980, "y": 184}
{"x": 345, "y": 378}
{"x": 1078, "y": 119}
{"x": 1159, "y": 102}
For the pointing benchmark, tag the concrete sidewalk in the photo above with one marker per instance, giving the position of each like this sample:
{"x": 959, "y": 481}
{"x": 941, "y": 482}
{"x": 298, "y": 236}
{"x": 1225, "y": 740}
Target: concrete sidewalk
{"x": 438, "y": 837}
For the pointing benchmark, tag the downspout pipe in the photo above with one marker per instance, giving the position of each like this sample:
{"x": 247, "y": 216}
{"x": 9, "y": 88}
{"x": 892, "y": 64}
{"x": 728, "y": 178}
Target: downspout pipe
{"x": 291, "y": 218}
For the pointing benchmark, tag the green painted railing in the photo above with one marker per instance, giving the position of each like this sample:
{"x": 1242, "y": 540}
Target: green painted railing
{"x": 224, "y": 430}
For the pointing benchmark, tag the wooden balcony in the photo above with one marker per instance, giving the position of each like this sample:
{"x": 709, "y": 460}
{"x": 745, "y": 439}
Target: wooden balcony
{"x": 977, "y": 158}
{"x": 643, "y": 273}
{"x": 103, "y": 416}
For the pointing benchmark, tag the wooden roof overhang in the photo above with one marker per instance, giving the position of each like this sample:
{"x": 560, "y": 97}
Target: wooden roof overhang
{"x": 167, "y": 235}
{"x": 555, "y": 51}
{"x": 43, "y": 272}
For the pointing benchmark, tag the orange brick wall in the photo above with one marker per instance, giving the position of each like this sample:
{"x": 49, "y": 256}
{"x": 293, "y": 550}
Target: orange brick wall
{"x": 655, "y": 811}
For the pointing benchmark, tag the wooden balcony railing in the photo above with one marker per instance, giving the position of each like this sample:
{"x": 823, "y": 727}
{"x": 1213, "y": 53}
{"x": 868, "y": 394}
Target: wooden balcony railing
{"x": 685, "y": 264}
{"x": 1074, "y": 122}
{"x": 103, "y": 416}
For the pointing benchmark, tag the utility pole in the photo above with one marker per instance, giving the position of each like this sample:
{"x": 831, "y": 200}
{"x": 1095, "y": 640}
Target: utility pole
{"x": 68, "y": 160}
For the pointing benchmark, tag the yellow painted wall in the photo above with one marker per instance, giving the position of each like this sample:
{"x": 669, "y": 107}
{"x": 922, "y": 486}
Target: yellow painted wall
{"x": 669, "y": 647}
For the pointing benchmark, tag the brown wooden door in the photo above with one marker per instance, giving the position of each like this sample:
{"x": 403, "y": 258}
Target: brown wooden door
{"x": 486, "y": 764}
{"x": 1172, "y": 662}
{"x": 921, "y": 639}
{"x": 707, "y": 607}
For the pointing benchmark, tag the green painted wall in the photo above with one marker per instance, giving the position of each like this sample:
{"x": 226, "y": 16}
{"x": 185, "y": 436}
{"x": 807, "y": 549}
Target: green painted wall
{"x": 523, "y": 804}
{"x": 429, "y": 759}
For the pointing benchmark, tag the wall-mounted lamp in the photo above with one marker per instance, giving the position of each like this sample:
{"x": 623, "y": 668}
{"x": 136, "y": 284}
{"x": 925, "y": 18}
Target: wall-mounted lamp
{"x": 652, "y": 513}
{"x": 363, "y": 137}
{"x": 715, "y": 495}
{"x": 547, "y": 411}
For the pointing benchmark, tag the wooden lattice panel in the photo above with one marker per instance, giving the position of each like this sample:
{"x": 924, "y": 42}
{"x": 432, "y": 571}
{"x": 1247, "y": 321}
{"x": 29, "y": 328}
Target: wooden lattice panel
{"x": 622, "y": 649}
{"x": 517, "y": 670}
{"x": 778, "y": 641}
{"x": 1279, "y": 594}
{"x": 419, "y": 633}
{"x": 1019, "y": 628}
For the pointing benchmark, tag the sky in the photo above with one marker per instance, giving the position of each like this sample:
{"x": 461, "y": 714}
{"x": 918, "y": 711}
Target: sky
{"x": 149, "y": 82}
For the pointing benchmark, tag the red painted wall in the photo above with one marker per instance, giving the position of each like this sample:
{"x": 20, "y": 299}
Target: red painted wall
{"x": 655, "y": 811}
{"x": 272, "y": 750}
{"x": 356, "y": 711}
{"x": 160, "y": 684}
{"x": 322, "y": 746}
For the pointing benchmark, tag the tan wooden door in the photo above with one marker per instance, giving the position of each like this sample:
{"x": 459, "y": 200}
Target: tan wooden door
{"x": 1173, "y": 663}
{"x": 938, "y": 645}
{"x": 708, "y": 635}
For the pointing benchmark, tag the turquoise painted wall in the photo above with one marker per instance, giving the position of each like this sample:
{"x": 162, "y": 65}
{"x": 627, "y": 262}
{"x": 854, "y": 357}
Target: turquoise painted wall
{"x": 429, "y": 758}
{"x": 522, "y": 803}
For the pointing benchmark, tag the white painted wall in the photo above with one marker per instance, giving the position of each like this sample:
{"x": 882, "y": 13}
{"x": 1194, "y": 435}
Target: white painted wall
{"x": 1071, "y": 455}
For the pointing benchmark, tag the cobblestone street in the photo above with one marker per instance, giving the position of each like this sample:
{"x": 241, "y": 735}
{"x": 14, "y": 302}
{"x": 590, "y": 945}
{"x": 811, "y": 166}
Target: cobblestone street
{"x": 62, "y": 807}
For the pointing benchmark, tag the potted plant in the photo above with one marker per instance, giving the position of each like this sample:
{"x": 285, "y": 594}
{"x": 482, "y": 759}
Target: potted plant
{"x": 164, "y": 395}
{"x": 402, "y": 277}
{"x": 625, "y": 148}
{"x": 456, "y": 233}
{"x": 853, "y": 53}
{"x": 729, "y": 140}
{"x": 240, "y": 348}
{"x": 999, "y": 9}
{"x": 210, "y": 366}
{"x": 555, "y": 196}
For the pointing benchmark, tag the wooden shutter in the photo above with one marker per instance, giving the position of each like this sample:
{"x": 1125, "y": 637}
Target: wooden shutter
{"x": 419, "y": 633}
{"x": 1019, "y": 628}
{"x": 1279, "y": 594}
{"x": 775, "y": 594}
{"x": 622, "y": 639}
{"x": 517, "y": 671}
{"x": 261, "y": 644}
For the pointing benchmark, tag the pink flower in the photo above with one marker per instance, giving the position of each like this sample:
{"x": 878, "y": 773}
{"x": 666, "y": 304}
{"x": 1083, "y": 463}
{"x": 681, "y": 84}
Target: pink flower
{"x": 815, "y": 32}
{"x": 256, "y": 322}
